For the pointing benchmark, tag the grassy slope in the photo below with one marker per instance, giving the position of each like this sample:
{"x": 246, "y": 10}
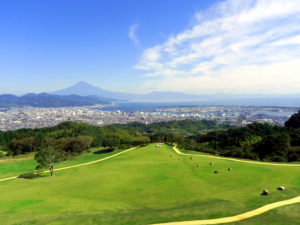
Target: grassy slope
{"x": 282, "y": 216}
{"x": 147, "y": 186}
{"x": 12, "y": 166}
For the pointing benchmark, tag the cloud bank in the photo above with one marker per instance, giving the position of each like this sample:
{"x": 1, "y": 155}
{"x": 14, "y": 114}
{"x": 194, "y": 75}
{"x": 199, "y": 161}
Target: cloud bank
{"x": 236, "y": 46}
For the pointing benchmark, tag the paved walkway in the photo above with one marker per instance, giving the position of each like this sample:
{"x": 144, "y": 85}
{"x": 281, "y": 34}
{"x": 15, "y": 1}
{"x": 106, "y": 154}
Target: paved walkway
{"x": 230, "y": 219}
{"x": 243, "y": 216}
{"x": 237, "y": 160}
{"x": 78, "y": 165}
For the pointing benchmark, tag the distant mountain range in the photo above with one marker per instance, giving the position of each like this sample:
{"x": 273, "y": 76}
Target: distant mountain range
{"x": 85, "y": 89}
{"x": 84, "y": 94}
{"x": 50, "y": 100}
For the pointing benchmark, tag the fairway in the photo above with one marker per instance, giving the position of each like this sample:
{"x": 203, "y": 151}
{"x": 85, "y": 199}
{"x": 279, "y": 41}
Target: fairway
{"x": 145, "y": 186}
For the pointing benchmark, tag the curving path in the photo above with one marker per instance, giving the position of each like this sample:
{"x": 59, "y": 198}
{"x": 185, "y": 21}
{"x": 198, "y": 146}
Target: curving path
{"x": 15, "y": 160}
{"x": 236, "y": 160}
{"x": 230, "y": 219}
{"x": 78, "y": 165}
{"x": 239, "y": 217}
{"x": 242, "y": 216}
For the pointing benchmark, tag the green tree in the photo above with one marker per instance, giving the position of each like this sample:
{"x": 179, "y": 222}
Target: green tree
{"x": 46, "y": 158}
{"x": 274, "y": 146}
{"x": 24, "y": 145}
{"x": 76, "y": 145}
{"x": 293, "y": 121}
{"x": 295, "y": 137}
{"x": 111, "y": 142}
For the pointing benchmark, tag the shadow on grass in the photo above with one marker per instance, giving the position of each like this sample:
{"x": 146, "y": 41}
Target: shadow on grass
{"x": 30, "y": 176}
{"x": 102, "y": 151}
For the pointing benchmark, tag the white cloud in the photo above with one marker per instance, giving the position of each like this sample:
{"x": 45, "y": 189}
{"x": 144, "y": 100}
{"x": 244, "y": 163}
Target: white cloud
{"x": 132, "y": 33}
{"x": 236, "y": 46}
{"x": 289, "y": 41}
{"x": 244, "y": 79}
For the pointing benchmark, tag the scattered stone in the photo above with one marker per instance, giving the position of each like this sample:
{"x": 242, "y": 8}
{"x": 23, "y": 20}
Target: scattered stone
{"x": 211, "y": 163}
{"x": 265, "y": 192}
{"x": 229, "y": 169}
{"x": 216, "y": 171}
{"x": 281, "y": 188}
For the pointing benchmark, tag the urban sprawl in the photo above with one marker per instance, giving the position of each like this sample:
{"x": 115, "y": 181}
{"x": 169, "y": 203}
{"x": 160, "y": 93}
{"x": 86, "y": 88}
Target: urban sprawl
{"x": 31, "y": 117}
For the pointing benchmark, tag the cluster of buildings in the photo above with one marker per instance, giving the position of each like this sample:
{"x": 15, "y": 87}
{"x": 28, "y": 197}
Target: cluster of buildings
{"x": 236, "y": 115}
{"x": 32, "y": 117}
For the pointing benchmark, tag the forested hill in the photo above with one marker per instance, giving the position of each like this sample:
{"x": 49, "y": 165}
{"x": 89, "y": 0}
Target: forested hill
{"x": 48, "y": 100}
{"x": 255, "y": 141}
{"x": 67, "y": 135}
{"x": 113, "y": 136}
{"x": 182, "y": 128}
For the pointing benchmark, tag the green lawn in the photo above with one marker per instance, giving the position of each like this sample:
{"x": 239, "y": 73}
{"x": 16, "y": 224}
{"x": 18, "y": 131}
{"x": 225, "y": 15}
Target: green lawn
{"x": 282, "y": 216}
{"x": 12, "y": 166}
{"x": 146, "y": 186}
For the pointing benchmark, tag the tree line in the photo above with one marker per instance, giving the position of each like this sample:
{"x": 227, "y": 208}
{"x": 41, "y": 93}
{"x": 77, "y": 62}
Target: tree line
{"x": 70, "y": 137}
{"x": 254, "y": 141}
{"x": 67, "y": 139}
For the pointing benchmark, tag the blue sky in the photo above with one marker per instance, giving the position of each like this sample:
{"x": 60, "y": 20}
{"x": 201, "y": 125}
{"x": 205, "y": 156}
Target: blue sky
{"x": 232, "y": 46}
